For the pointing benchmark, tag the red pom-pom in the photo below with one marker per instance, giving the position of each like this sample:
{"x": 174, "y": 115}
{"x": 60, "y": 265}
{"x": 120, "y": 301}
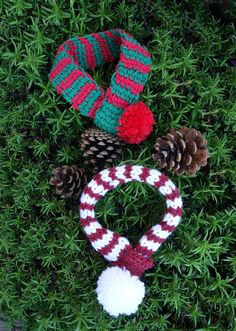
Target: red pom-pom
{"x": 135, "y": 123}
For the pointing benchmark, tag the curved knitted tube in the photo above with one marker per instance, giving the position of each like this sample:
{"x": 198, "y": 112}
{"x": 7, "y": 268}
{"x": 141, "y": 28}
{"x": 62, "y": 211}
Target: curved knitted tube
{"x": 69, "y": 77}
{"x": 115, "y": 247}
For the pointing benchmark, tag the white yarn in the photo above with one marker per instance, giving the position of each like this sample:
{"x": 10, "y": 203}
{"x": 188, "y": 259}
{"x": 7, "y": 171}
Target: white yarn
{"x": 177, "y": 202}
{"x": 115, "y": 252}
{"x": 104, "y": 241}
{"x": 171, "y": 220}
{"x": 119, "y": 292}
{"x": 92, "y": 228}
{"x": 150, "y": 244}
{"x": 136, "y": 172}
{"x": 86, "y": 212}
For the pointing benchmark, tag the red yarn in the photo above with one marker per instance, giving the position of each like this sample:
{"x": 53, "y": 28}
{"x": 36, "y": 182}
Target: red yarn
{"x": 136, "y": 123}
{"x": 131, "y": 260}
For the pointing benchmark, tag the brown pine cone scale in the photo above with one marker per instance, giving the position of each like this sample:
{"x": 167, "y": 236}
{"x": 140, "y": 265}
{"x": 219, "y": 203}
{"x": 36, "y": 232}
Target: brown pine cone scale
{"x": 100, "y": 148}
{"x": 182, "y": 151}
{"x": 68, "y": 181}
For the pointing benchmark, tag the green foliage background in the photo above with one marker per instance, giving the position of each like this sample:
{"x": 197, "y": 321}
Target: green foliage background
{"x": 48, "y": 270}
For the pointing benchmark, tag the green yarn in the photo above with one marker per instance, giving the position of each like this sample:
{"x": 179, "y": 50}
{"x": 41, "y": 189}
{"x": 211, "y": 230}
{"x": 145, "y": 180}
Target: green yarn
{"x": 92, "y": 51}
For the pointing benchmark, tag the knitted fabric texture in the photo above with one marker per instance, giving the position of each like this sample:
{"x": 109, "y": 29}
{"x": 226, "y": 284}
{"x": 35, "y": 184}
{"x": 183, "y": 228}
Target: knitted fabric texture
{"x": 107, "y": 109}
{"x": 114, "y": 247}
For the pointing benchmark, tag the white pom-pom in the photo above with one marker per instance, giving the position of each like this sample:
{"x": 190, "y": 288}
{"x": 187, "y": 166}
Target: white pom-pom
{"x": 119, "y": 292}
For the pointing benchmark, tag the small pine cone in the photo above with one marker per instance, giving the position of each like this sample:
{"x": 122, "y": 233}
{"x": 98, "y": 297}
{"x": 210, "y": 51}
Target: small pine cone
{"x": 100, "y": 147}
{"x": 182, "y": 151}
{"x": 68, "y": 181}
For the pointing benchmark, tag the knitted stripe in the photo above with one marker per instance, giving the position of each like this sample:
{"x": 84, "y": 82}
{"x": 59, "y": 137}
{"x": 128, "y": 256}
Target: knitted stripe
{"x": 115, "y": 100}
{"x": 88, "y": 47}
{"x": 72, "y": 91}
{"x": 96, "y": 105}
{"x": 89, "y": 102}
{"x": 94, "y": 47}
{"x": 134, "y": 64}
{"x": 81, "y": 53}
{"x": 82, "y": 94}
{"x": 134, "y": 87}
{"x": 60, "y": 64}
{"x": 133, "y": 75}
{"x": 113, "y": 45}
{"x": 114, "y": 40}
{"x": 128, "y": 37}
{"x": 73, "y": 50}
{"x": 124, "y": 93}
{"x": 102, "y": 40}
{"x": 110, "y": 251}
{"x": 69, "y": 80}
{"x": 63, "y": 73}
{"x": 110, "y": 244}
{"x": 134, "y": 55}
{"x": 133, "y": 45}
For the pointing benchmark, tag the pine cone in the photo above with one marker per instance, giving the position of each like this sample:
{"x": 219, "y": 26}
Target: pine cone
{"x": 68, "y": 181}
{"x": 100, "y": 147}
{"x": 181, "y": 151}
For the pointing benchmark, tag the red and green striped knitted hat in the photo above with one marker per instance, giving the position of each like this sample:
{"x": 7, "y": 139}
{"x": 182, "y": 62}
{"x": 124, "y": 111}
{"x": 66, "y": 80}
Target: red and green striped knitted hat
{"x": 116, "y": 110}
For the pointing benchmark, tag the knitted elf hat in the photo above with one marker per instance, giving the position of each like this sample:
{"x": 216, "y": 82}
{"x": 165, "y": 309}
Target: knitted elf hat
{"x": 119, "y": 288}
{"x": 117, "y": 109}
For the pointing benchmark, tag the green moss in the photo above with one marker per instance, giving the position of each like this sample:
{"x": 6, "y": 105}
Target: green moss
{"x": 48, "y": 270}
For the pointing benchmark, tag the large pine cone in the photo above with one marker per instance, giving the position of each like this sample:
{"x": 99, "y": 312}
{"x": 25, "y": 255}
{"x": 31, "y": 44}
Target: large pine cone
{"x": 182, "y": 151}
{"x": 68, "y": 181}
{"x": 100, "y": 147}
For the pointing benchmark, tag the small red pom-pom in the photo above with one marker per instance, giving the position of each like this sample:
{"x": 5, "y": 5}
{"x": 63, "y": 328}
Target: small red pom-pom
{"x": 135, "y": 123}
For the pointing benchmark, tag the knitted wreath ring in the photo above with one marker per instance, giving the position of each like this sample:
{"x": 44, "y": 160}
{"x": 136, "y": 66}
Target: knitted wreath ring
{"x": 119, "y": 288}
{"x": 117, "y": 110}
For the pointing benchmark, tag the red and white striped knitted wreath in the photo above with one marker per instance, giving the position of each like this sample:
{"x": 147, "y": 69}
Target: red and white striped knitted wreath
{"x": 119, "y": 289}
